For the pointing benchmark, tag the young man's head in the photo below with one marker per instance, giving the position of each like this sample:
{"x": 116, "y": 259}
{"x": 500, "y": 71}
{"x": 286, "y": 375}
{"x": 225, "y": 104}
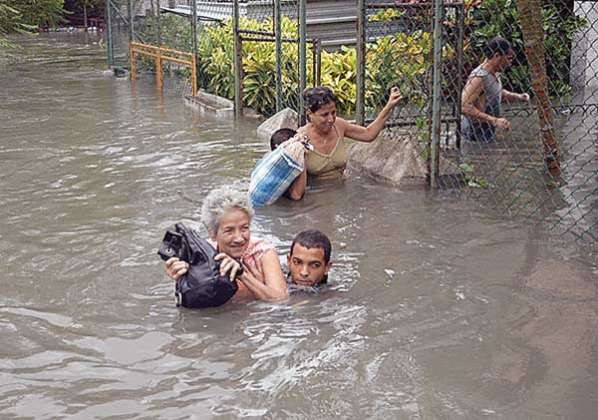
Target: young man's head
{"x": 501, "y": 51}
{"x": 280, "y": 136}
{"x": 309, "y": 259}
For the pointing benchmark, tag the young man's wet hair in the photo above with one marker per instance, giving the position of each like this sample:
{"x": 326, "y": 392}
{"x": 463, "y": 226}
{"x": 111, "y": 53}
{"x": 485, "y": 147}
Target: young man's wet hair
{"x": 497, "y": 45}
{"x": 314, "y": 239}
{"x": 280, "y": 136}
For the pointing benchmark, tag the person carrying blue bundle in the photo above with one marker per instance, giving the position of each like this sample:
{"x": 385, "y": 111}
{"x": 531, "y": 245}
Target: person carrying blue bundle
{"x": 325, "y": 154}
{"x": 279, "y": 137}
{"x": 275, "y": 174}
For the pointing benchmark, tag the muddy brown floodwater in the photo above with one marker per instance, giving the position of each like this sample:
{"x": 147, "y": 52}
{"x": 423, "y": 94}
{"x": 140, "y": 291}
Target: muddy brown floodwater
{"x": 435, "y": 308}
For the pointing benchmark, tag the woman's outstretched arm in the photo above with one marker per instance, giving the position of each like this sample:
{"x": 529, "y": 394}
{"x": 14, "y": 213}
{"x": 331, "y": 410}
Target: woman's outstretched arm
{"x": 369, "y": 133}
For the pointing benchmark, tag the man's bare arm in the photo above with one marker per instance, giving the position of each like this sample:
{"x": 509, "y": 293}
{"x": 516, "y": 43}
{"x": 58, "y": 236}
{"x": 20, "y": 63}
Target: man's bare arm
{"x": 472, "y": 92}
{"x": 508, "y": 96}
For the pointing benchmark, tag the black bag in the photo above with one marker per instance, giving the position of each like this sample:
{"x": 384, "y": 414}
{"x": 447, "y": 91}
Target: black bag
{"x": 201, "y": 286}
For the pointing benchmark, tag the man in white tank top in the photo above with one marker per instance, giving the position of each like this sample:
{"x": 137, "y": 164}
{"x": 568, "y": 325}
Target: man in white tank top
{"x": 483, "y": 93}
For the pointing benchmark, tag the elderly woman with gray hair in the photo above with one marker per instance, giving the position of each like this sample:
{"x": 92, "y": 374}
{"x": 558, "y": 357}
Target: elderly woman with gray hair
{"x": 227, "y": 215}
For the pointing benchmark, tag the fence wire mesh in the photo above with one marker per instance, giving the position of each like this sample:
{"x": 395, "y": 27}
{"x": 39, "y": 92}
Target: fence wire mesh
{"x": 507, "y": 173}
{"x": 215, "y": 45}
{"x": 257, "y": 30}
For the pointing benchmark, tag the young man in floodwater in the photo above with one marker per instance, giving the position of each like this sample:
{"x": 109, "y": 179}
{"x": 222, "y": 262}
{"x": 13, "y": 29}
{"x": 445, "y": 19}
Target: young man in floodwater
{"x": 483, "y": 94}
{"x": 309, "y": 260}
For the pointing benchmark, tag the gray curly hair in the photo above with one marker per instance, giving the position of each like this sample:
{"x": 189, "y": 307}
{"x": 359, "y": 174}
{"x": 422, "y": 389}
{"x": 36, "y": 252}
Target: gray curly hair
{"x": 219, "y": 201}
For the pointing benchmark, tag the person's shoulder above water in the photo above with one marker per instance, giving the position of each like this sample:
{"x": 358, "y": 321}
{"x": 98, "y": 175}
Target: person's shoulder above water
{"x": 227, "y": 215}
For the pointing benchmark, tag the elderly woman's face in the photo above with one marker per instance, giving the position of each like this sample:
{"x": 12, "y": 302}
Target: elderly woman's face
{"x": 323, "y": 119}
{"x": 233, "y": 232}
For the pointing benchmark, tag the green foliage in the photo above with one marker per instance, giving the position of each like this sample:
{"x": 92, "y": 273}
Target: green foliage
{"x": 339, "y": 73}
{"x": 24, "y": 16}
{"x": 385, "y": 15}
{"x": 38, "y": 12}
{"x": 76, "y": 6}
{"x": 171, "y": 30}
{"x": 11, "y": 21}
{"x": 398, "y": 60}
{"x": 471, "y": 179}
{"x": 393, "y": 60}
{"x": 216, "y": 58}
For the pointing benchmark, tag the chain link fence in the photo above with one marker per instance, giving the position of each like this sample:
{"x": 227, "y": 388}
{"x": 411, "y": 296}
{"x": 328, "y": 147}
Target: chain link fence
{"x": 265, "y": 32}
{"x": 508, "y": 173}
{"x": 269, "y": 44}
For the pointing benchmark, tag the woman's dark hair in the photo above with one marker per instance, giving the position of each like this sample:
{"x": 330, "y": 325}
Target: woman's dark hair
{"x": 313, "y": 238}
{"x": 497, "y": 45}
{"x": 318, "y": 96}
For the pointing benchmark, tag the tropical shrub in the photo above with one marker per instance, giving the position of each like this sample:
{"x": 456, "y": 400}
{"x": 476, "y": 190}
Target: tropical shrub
{"x": 25, "y": 16}
{"x": 399, "y": 59}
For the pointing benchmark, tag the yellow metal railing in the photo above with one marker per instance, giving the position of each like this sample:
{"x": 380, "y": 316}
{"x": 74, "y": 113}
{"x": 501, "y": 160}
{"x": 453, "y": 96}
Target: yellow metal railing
{"x": 162, "y": 54}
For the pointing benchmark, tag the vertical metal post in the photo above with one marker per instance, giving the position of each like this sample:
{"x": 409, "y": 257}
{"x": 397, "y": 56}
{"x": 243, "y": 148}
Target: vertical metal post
{"x": 314, "y": 61}
{"x": 238, "y": 64}
{"x": 436, "y": 94}
{"x": 302, "y": 59}
{"x": 278, "y": 40}
{"x": 130, "y": 18}
{"x": 133, "y": 58}
{"x": 194, "y": 44}
{"x": 194, "y": 26}
{"x": 109, "y": 47}
{"x": 318, "y": 49}
{"x": 461, "y": 25}
{"x": 360, "y": 100}
{"x": 159, "y": 35}
{"x": 194, "y": 76}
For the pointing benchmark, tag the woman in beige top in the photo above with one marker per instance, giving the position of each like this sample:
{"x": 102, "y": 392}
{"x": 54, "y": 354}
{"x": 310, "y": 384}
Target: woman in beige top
{"x": 327, "y": 132}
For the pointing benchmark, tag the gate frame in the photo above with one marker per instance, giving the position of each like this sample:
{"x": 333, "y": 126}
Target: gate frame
{"x": 159, "y": 54}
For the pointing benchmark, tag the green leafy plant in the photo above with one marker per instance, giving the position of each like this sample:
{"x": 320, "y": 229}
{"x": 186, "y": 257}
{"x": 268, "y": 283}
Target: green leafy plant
{"x": 471, "y": 179}
{"x": 400, "y": 60}
{"x": 25, "y": 16}
{"x": 385, "y": 15}
{"x": 397, "y": 60}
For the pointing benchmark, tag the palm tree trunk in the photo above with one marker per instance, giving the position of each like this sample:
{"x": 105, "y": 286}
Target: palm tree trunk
{"x": 530, "y": 17}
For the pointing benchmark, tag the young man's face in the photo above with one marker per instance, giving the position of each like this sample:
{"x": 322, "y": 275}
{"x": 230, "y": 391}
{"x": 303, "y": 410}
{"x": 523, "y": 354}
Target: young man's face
{"x": 507, "y": 59}
{"x": 307, "y": 265}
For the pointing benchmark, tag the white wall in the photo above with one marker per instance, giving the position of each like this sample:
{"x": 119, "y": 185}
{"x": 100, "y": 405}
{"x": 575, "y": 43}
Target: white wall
{"x": 584, "y": 57}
